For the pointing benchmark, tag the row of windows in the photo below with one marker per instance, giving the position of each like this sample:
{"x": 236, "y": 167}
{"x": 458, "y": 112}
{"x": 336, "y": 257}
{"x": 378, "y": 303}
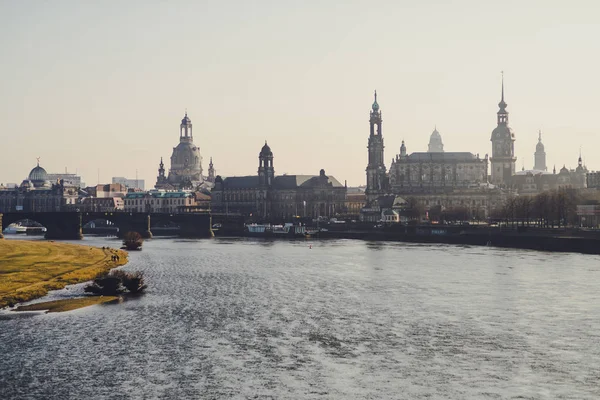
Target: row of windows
{"x": 461, "y": 202}
{"x": 158, "y": 202}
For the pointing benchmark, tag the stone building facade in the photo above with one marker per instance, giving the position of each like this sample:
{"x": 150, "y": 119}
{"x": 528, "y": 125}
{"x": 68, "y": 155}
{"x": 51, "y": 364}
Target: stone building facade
{"x": 436, "y": 171}
{"x": 530, "y": 182}
{"x": 432, "y": 178}
{"x": 159, "y": 202}
{"x": 269, "y": 197}
{"x": 38, "y": 194}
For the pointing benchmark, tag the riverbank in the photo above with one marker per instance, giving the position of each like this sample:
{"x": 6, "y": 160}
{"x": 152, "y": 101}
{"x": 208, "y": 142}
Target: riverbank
{"x": 29, "y": 269}
{"x": 519, "y": 237}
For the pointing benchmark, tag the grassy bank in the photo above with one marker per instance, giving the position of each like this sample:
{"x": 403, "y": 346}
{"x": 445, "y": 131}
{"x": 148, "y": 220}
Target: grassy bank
{"x": 28, "y": 269}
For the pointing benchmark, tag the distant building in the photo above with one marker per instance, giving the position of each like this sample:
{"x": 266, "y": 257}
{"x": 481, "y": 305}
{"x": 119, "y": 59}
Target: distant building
{"x": 101, "y": 204}
{"x": 432, "y": 178}
{"x": 503, "y": 159}
{"x": 356, "y": 200}
{"x": 435, "y": 142}
{"x": 71, "y": 179}
{"x": 386, "y": 208}
{"x": 130, "y": 183}
{"x": 537, "y": 181}
{"x": 540, "y": 155}
{"x": 159, "y": 202}
{"x": 38, "y": 194}
{"x": 111, "y": 190}
{"x": 593, "y": 180}
{"x": 186, "y": 162}
{"x": 266, "y": 196}
{"x": 211, "y": 172}
{"x": 377, "y": 179}
{"x": 436, "y": 172}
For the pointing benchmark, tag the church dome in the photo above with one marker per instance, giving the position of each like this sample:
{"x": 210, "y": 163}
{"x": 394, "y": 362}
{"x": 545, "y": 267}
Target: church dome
{"x": 266, "y": 150}
{"x": 502, "y": 132}
{"x": 435, "y": 142}
{"x": 38, "y": 175}
{"x": 186, "y": 153}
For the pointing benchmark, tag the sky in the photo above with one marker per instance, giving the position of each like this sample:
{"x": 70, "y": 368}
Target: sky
{"x": 99, "y": 88}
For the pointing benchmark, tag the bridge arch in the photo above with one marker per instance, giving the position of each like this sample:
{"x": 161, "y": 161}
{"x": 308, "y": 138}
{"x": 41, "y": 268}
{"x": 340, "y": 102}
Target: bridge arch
{"x": 59, "y": 225}
{"x": 124, "y": 221}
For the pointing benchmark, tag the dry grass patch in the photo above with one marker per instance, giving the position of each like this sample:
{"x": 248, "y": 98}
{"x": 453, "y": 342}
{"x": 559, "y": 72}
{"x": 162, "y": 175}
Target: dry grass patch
{"x": 29, "y": 269}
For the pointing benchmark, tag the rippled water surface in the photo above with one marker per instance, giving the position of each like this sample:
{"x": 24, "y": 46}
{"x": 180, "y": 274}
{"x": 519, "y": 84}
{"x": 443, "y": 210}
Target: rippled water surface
{"x": 235, "y": 318}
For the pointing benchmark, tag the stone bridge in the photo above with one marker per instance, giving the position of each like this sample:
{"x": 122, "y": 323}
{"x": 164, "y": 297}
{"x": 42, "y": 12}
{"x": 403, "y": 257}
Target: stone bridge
{"x": 67, "y": 225}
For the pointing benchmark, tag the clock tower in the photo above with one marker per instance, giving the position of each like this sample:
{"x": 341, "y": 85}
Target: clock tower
{"x": 503, "y": 159}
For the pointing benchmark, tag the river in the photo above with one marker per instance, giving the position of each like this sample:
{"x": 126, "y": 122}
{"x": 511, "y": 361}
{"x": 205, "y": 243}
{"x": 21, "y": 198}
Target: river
{"x": 339, "y": 319}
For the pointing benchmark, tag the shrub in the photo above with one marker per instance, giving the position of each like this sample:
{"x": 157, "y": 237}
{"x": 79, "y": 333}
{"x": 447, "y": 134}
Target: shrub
{"x": 116, "y": 283}
{"x": 132, "y": 281}
{"x": 132, "y": 241}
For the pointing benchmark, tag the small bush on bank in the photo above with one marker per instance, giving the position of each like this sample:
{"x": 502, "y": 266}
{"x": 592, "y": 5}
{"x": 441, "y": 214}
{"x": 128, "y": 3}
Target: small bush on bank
{"x": 132, "y": 241}
{"x": 116, "y": 283}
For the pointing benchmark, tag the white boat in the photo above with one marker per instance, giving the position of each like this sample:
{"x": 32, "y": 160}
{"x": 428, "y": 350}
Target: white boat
{"x": 15, "y": 228}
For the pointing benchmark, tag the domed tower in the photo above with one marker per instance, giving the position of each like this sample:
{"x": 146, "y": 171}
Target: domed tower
{"x": 403, "y": 150}
{"x": 503, "y": 159}
{"x": 38, "y": 176}
{"x": 186, "y": 161}
{"x": 266, "y": 171}
{"x": 376, "y": 171}
{"x": 540, "y": 155}
{"x": 435, "y": 142}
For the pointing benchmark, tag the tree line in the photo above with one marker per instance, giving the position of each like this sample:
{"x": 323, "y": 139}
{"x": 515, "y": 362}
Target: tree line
{"x": 549, "y": 209}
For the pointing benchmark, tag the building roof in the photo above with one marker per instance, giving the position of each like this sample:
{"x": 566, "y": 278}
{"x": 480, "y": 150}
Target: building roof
{"x": 240, "y": 182}
{"x": 305, "y": 181}
{"x": 281, "y": 182}
{"x": 157, "y": 195}
{"x": 439, "y": 157}
{"x": 533, "y": 172}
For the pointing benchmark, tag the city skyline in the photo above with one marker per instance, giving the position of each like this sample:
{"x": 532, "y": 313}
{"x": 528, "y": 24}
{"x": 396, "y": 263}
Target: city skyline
{"x": 85, "y": 97}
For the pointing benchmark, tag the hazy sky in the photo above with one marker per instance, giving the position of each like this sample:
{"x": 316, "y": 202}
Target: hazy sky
{"x": 104, "y": 85}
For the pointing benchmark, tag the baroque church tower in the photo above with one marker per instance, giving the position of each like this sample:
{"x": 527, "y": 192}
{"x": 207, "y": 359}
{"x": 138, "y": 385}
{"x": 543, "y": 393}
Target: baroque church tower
{"x": 376, "y": 171}
{"x": 211, "y": 172}
{"x": 540, "y": 155}
{"x": 503, "y": 159}
{"x": 266, "y": 171}
{"x": 161, "y": 180}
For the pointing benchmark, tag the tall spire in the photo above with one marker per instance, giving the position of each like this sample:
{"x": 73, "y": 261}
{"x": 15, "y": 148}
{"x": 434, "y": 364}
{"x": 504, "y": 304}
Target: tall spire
{"x": 375, "y": 104}
{"x": 540, "y": 136}
{"x": 502, "y": 113}
{"x": 502, "y": 103}
{"x": 502, "y": 72}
